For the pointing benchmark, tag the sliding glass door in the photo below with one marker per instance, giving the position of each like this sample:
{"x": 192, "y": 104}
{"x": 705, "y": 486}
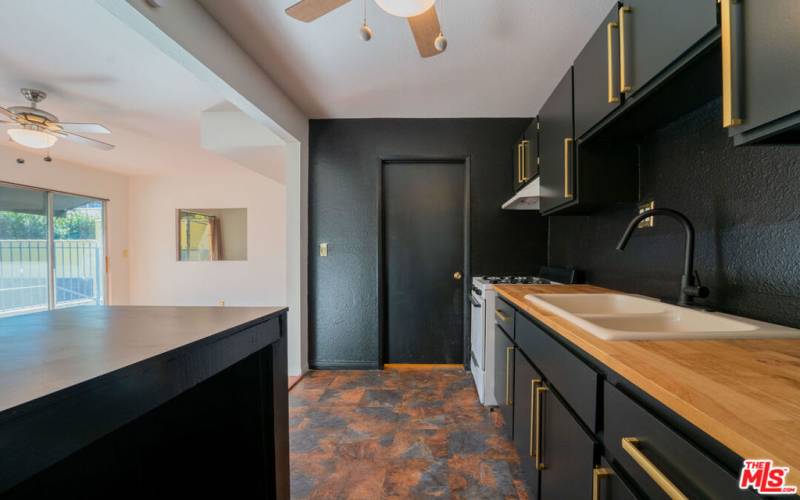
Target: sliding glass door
{"x": 52, "y": 250}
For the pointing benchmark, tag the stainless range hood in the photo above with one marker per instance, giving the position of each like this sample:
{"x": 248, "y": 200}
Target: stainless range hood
{"x": 526, "y": 198}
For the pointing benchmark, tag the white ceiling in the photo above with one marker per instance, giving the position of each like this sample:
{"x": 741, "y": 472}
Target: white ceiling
{"x": 96, "y": 69}
{"x": 503, "y": 59}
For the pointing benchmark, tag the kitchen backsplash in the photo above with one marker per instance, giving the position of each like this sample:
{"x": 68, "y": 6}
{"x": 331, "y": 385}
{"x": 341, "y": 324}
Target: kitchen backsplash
{"x": 744, "y": 203}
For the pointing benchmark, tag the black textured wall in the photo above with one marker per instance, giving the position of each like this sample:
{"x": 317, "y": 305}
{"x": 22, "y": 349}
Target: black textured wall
{"x": 343, "y": 195}
{"x": 744, "y": 203}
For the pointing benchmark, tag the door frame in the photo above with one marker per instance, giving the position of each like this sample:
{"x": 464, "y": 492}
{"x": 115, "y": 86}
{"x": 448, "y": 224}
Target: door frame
{"x": 381, "y": 278}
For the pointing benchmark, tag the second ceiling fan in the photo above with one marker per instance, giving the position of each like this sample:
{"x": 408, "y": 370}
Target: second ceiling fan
{"x": 421, "y": 16}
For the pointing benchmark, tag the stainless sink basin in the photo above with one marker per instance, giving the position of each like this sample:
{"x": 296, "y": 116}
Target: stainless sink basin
{"x": 615, "y": 316}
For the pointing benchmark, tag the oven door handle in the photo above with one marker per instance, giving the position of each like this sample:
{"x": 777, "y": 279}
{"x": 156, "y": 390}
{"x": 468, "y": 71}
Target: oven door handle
{"x": 474, "y": 301}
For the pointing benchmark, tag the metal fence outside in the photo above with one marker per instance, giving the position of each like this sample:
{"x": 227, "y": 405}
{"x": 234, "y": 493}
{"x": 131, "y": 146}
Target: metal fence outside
{"x": 24, "y": 274}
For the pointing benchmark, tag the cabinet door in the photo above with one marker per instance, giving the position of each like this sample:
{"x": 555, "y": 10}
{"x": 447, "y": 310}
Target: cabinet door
{"x": 504, "y": 378}
{"x": 764, "y": 39}
{"x": 607, "y": 485}
{"x": 566, "y": 452}
{"x": 556, "y": 147}
{"x": 530, "y": 167}
{"x": 596, "y": 70}
{"x": 526, "y": 380}
{"x": 655, "y": 34}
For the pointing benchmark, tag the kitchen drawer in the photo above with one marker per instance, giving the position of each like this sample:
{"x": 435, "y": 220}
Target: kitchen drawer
{"x": 672, "y": 456}
{"x": 607, "y": 485}
{"x": 572, "y": 378}
{"x": 504, "y": 315}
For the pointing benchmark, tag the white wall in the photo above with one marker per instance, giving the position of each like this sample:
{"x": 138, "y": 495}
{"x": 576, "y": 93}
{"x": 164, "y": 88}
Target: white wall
{"x": 77, "y": 179}
{"x": 188, "y": 34}
{"x": 157, "y": 278}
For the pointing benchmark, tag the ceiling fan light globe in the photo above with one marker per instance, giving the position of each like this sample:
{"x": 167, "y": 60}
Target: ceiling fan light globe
{"x": 440, "y": 43}
{"x": 405, "y": 8}
{"x": 31, "y": 138}
{"x": 365, "y": 32}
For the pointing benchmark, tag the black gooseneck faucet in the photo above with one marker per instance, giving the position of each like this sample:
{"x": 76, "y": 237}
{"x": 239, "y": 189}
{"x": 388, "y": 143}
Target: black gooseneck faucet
{"x": 690, "y": 282}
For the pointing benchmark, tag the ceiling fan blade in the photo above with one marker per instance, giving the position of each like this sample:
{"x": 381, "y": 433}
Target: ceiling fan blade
{"x": 7, "y": 113}
{"x": 425, "y": 28}
{"x": 84, "y": 128}
{"x": 308, "y": 10}
{"x": 79, "y": 139}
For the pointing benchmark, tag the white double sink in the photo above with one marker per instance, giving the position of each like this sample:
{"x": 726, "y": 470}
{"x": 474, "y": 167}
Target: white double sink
{"x": 616, "y": 316}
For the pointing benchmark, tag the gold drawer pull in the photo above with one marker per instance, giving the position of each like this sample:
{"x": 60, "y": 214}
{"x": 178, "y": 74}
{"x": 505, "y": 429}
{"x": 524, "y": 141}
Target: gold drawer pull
{"x": 499, "y": 314}
{"x": 534, "y": 409}
{"x": 672, "y": 491}
{"x": 509, "y": 350}
{"x": 730, "y": 111}
{"x": 538, "y": 430}
{"x": 624, "y": 84}
{"x": 612, "y": 95}
{"x": 597, "y": 473}
{"x": 524, "y": 160}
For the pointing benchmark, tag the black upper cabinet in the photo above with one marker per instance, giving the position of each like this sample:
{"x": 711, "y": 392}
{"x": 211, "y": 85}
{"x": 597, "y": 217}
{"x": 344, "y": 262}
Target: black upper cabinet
{"x": 526, "y": 381}
{"x": 654, "y": 34}
{"x": 597, "y": 91}
{"x": 526, "y": 155}
{"x": 556, "y": 147}
{"x": 760, "y": 39}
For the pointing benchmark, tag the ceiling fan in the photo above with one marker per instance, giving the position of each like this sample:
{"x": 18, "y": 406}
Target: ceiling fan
{"x": 38, "y": 129}
{"x": 421, "y": 15}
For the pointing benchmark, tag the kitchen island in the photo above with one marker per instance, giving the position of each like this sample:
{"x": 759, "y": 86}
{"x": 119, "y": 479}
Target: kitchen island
{"x": 144, "y": 401}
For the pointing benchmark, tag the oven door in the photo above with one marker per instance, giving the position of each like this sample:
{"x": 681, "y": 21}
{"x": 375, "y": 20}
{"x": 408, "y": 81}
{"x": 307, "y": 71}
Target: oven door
{"x": 478, "y": 322}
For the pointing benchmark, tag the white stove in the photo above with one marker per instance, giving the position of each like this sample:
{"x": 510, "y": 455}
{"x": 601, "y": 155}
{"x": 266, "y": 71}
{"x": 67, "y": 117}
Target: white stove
{"x": 482, "y": 330}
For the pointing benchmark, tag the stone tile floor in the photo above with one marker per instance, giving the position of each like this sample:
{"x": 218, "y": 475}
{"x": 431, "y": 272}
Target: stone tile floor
{"x": 397, "y": 433}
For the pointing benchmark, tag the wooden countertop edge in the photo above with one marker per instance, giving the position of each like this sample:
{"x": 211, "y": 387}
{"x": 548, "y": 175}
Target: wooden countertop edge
{"x": 731, "y": 437}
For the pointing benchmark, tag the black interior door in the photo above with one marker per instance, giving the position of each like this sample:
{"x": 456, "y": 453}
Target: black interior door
{"x": 423, "y": 207}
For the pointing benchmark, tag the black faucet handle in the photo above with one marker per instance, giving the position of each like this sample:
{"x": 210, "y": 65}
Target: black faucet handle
{"x": 696, "y": 289}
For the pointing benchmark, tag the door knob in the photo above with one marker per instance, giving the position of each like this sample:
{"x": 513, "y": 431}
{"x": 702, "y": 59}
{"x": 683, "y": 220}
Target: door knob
{"x": 457, "y": 275}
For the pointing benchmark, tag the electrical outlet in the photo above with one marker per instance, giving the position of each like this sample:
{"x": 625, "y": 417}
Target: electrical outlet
{"x": 323, "y": 249}
{"x": 643, "y": 207}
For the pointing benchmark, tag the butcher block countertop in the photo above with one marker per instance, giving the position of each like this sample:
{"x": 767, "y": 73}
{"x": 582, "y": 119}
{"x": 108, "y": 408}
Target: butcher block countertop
{"x": 743, "y": 393}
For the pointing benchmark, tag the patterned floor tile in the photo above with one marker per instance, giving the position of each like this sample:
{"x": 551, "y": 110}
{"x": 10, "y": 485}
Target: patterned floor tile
{"x": 397, "y": 433}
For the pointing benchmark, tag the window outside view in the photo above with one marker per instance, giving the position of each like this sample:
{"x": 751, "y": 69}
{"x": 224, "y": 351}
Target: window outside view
{"x": 77, "y": 245}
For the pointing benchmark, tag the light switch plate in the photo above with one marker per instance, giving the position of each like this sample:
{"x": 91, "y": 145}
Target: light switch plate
{"x": 323, "y": 249}
{"x": 643, "y": 207}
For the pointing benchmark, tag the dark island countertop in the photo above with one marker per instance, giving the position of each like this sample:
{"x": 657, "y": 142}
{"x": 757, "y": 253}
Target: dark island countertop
{"x": 46, "y": 352}
{"x": 70, "y": 377}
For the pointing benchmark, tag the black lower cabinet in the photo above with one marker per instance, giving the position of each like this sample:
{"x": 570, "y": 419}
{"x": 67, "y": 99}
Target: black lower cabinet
{"x": 526, "y": 380}
{"x": 607, "y": 485}
{"x": 504, "y": 379}
{"x": 659, "y": 460}
{"x": 566, "y": 454}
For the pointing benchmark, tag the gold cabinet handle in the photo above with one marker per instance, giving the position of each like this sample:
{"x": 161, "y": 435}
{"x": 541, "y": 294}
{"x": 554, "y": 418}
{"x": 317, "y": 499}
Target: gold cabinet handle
{"x": 629, "y": 444}
{"x": 519, "y": 162}
{"x": 537, "y": 448}
{"x": 509, "y": 350}
{"x": 499, "y": 315}
{"x": 624, "y": 84}
{"x": 524, "y": 161}
{"x": 730, "y": 111}
{"x": 597, "y": 473}
{"x": 567, "y": 145}
{"x": 612, "y": 94}
{"x": 457, "y": 275}
{"x": 534, "y": 410}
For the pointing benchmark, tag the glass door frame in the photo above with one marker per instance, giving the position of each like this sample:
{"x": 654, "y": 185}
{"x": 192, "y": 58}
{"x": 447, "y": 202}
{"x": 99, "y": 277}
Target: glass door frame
{"x": 51, "y": 241}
